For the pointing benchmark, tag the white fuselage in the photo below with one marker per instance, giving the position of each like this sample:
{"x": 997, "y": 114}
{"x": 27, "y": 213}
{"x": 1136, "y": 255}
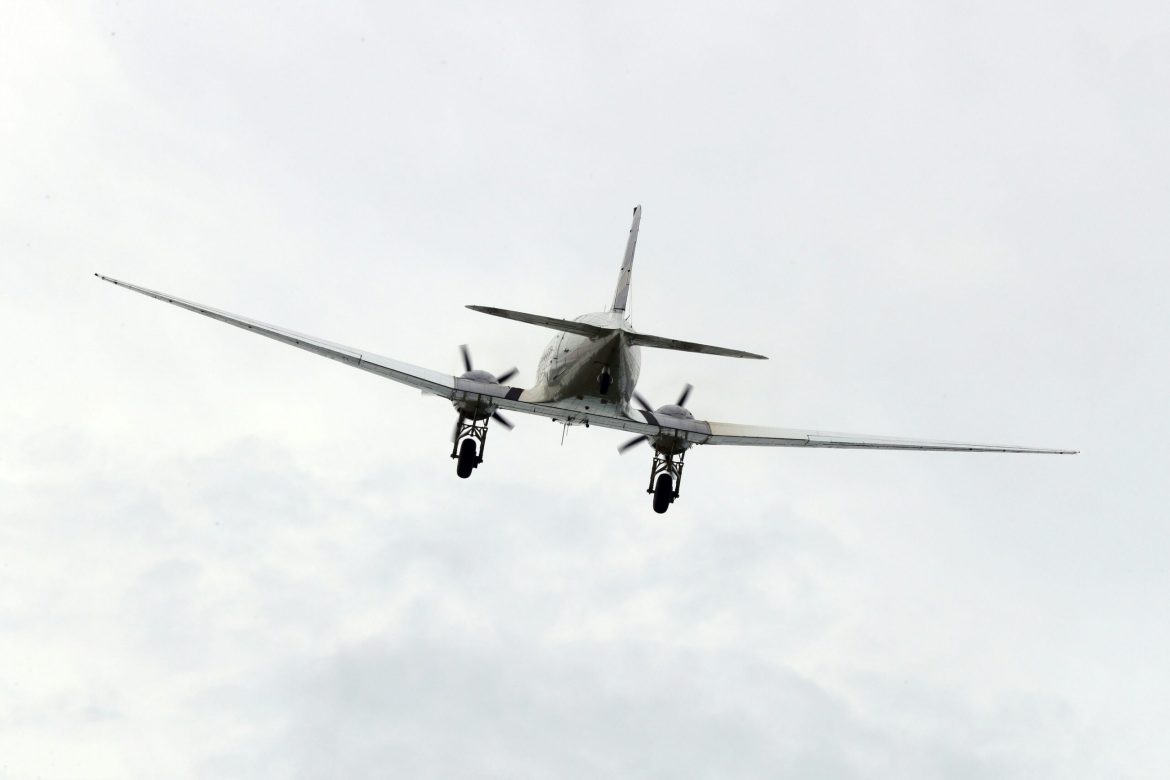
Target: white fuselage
{"x": 571, "y": 365}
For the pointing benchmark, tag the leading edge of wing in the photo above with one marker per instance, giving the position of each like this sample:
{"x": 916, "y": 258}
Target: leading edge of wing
{"x": 415, "y": 376}
{"x": 756, "y": 436}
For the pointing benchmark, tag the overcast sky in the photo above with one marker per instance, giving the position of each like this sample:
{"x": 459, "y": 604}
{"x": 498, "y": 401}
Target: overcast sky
{"x": 221, "y": 557}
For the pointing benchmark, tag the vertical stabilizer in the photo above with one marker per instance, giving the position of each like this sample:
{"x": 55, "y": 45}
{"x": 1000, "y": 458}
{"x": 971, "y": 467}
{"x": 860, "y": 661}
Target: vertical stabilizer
{"x": 622, "y": 293}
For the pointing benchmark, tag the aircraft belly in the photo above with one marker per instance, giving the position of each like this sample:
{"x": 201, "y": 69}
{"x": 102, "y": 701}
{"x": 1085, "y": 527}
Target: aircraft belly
{"x": 578, "y": 368}
{"x": 629, "y": 366}
{"x": 575, "y": 363}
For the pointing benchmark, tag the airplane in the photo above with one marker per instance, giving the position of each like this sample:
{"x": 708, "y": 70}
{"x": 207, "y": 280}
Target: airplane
{"x": 586, "y": 376}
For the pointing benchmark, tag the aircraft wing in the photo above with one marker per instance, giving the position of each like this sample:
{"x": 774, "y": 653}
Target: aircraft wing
{"x": 588, "y": 411}
{"x": 754, "y": 436}
{"x": 424, "y": 379}
{"x": 433, "y": 382}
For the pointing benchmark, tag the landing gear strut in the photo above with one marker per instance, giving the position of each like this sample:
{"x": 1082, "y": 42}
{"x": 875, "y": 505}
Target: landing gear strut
{"x": 665, "y": 478}
{"x": 464, "y": 449}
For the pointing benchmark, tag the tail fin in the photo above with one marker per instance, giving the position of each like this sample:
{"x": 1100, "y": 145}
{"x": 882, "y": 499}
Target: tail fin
{"x": 622, "y": 293}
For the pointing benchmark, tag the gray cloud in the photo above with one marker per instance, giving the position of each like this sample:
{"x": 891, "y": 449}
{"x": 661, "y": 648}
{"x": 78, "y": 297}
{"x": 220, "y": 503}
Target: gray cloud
{"x": 259, "y": 620}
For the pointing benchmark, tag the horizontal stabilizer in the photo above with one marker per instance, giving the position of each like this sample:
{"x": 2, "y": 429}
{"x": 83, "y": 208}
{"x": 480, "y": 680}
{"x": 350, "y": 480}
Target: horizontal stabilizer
{"x": 633, "y": 338}
{"x": 567, "y": 326}
{"x": 660, "y": 342}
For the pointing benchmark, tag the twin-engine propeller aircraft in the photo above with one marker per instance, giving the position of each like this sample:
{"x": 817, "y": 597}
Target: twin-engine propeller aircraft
{"x": 586, "y": 376}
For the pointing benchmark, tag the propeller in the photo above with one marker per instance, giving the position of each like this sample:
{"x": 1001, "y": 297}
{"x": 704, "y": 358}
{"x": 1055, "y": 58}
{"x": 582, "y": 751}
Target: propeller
{"x": 641, "y": 401}
{"x": 682, "y": 398}
{"x": 634, "y": 442}
{"x": 469, "y": 366}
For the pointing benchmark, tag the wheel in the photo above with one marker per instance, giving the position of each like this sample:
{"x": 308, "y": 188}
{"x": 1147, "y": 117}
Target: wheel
{"x": 605, "y": 381}
{"x": 663, "y": 493}
{"x": 467, "y": 459}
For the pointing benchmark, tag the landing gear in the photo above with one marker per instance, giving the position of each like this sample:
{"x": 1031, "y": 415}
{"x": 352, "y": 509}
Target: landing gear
{"x": 604, "y": 382}
{"x": 665, "y": 478}
{"x": 467, "y": 459}
{"x": 663, "y": 494}
{"x": 464, "y": 447}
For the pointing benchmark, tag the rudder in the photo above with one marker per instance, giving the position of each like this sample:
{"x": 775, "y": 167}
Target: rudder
{"x": 621, "y": 294}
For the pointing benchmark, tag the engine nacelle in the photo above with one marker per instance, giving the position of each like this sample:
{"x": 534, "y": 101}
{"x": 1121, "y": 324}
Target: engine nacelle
{"x": 665, "y": 443}
{"x": 477, "y": 409}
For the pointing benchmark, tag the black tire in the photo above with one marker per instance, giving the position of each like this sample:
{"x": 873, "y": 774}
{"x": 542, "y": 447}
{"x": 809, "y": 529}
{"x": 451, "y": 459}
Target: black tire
{"x": 604, "y": 382}
{"x": 663, "y": 494}
{"x": 467, "y": 459}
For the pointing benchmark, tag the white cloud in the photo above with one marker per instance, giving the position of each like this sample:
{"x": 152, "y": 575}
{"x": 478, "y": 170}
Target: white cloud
{"x": 224, "y": 557}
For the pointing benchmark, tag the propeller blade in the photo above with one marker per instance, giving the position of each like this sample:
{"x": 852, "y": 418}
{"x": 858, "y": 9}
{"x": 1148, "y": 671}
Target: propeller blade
{"x": 502, "y": 420}
{"x": 633, "y": 443}
{"x": 682, "y": 399}
{"x": 504, "y": 377}
{"x": 466, "y": 356}
{"x": 643, "y": 402}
